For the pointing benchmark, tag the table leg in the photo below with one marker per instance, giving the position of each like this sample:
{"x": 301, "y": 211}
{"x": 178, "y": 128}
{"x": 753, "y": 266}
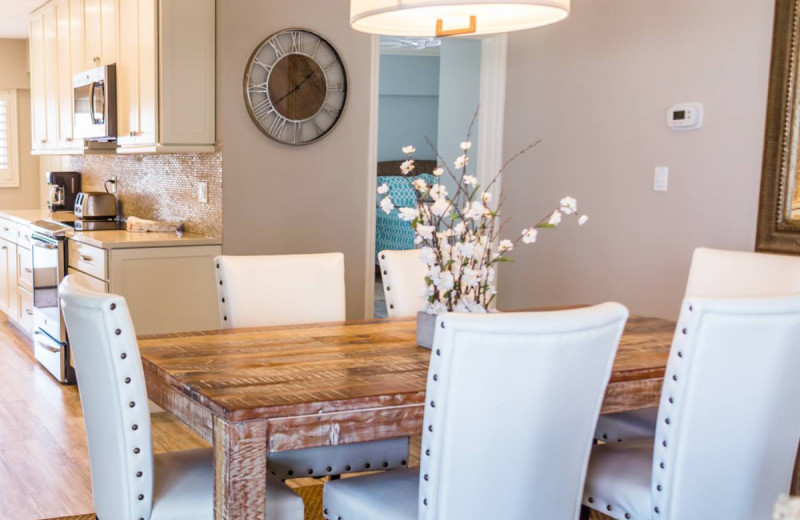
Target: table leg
{"x": 240, "y": 466}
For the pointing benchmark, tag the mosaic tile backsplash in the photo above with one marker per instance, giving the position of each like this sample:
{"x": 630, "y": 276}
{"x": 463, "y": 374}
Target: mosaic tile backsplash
{"x": 160, "y": 186}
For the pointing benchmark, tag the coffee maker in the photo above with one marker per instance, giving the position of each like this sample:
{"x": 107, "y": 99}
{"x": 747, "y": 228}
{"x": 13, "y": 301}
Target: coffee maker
{"x": 64, "y": 187}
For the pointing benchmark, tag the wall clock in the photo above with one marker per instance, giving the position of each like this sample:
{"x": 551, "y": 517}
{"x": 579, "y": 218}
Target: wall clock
{"x": 295, "y": 87}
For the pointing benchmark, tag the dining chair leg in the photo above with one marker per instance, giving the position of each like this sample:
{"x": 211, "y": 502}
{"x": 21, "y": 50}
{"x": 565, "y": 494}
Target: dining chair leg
{"x": 585, "y": 512}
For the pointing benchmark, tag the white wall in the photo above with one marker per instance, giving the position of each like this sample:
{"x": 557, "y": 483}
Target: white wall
{"x": 459, "y": 95}
{"x": 408, "y": 105}
{"x": 596, "y": 89}
{"x": 296, "y": 199}
{"x": 14, "y": 75}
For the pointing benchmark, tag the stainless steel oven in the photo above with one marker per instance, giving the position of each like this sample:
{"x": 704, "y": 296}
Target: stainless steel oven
{"x": 50, "y": 342}
{"x": 94, "y": 96}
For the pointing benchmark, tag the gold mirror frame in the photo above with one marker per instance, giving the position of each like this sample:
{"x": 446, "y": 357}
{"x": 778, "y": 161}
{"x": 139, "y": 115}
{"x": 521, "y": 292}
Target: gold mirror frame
{"x": 777, "y": 232}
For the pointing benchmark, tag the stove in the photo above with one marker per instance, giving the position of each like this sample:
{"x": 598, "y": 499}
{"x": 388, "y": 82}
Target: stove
{"x": 98, "y": 225}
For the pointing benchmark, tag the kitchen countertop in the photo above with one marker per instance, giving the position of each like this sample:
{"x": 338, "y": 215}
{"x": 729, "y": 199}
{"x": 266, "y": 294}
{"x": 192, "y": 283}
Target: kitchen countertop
{"x": 127, "y": 240}
{"x": 26, "y": 216}
{"x": 110, "y": 239}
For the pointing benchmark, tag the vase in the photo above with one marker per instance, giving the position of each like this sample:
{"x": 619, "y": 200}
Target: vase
{"x": 426, "y": 329}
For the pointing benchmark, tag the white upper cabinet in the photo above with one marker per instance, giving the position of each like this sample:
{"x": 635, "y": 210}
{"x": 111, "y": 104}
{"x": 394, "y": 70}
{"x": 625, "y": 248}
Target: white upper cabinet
{"x": 38, "y": 91}
{"x": 100, "y": 29}
{"x": 63, "y": 16}
{"x": 137, "y": 75}
{"x": 165, "y": 56}
{"x": 166, "y": 79}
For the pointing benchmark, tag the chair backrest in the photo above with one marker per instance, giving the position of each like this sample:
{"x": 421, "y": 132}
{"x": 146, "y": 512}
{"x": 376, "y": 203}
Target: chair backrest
{"x": 259, "y": 291}
{"x": 114, "y": 400}
{"x": 511, "y": 408}
{"x": 403, "y": 275}
{"x": 729, "y": 420}
{"x": 717, "y": 273}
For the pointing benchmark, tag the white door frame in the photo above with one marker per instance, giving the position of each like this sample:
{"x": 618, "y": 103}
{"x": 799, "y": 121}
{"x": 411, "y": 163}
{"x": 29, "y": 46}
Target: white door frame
{"x": 490, "y": 138}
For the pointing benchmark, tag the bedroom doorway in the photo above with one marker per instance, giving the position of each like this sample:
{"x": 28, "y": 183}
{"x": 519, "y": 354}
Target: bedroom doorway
{"x": 425, "y": 93}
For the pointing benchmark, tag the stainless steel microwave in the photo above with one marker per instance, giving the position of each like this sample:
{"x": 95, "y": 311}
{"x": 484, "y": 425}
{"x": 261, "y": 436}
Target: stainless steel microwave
{"x": 94, "y": 97}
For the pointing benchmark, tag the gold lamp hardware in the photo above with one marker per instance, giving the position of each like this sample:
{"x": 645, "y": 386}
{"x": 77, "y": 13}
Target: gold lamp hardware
{"x": 473, "y": 27}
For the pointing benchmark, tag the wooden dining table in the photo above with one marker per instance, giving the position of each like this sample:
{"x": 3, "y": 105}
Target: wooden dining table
{"x": 254, "y": 391}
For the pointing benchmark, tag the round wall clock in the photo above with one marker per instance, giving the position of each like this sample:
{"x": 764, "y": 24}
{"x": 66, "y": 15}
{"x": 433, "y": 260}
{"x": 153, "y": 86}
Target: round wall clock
{"x": 295, "y": 86}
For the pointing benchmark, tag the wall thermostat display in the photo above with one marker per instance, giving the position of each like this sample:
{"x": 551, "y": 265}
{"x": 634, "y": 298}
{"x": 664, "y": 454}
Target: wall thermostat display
{"x": 686, "y": 116}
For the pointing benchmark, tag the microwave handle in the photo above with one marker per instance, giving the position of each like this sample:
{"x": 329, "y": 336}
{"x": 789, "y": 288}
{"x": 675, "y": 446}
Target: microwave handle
{"x": 91, "y": 103}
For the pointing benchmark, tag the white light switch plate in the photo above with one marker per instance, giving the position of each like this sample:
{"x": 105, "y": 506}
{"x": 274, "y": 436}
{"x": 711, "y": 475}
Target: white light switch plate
{"x": 202, "y": 192}
{"x": 661, "y": 178}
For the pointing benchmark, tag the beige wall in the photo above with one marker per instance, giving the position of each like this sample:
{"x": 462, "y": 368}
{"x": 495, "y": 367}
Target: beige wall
{"x": 284, "y": 199}
{"x": 14, "y": 75}
{"x": 596, "y": 89}
{"x": 14, "y": 64}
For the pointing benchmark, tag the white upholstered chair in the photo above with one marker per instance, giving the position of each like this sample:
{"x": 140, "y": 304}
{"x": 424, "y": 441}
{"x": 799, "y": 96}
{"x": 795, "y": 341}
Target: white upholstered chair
{"x": 713, "y": 273}
{"x": 267, "y": 290}
{"x": 403, "y": 275}
{"x": 511, "y": 404}
{"x": 128, "y": 481}
{"x": 728, "y": 420}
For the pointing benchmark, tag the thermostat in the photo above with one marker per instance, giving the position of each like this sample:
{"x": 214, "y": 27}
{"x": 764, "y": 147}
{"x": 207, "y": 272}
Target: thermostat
{"x": 686, "y": 116}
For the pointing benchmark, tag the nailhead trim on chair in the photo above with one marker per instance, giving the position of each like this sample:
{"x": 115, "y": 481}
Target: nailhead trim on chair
{"x": 658, "y": 487}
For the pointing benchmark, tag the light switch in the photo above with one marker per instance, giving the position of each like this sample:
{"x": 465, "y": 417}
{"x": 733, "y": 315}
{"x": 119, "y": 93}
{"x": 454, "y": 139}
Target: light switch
{"x": 202, "y": 192}
{"x": 660, "y": 178}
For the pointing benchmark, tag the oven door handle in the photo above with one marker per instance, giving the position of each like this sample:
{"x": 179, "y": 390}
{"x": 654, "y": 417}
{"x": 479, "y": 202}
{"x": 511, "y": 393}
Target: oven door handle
{"x": 44, "y": 245}
{"x": 54, "y": 350}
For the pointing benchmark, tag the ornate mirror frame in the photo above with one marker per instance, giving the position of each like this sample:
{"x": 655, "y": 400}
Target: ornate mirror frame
{"x": 777, "y": 232}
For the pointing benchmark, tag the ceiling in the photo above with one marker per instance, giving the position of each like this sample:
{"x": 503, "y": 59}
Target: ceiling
{"x": 15, "y": 15}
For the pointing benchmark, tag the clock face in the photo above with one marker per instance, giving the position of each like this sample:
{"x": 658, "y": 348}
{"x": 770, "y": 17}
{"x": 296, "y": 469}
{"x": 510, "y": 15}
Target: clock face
{"x": 295, "y": 86}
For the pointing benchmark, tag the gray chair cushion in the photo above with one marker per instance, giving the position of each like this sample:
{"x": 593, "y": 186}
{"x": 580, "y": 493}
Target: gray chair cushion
{"x": 391, "y": 495}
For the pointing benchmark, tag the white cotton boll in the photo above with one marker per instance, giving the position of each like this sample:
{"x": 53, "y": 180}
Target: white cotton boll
{"x": 387, "y": 205}
{"x": 583, "y": 220}
{"x": 408, "y": 150}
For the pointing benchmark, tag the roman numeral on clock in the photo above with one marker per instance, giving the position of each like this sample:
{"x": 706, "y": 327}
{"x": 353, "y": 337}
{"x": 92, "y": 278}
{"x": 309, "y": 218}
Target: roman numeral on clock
{"x": 263, "y": 109}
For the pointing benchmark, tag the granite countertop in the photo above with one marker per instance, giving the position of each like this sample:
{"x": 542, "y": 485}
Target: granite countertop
{"x": 126, "y": 240}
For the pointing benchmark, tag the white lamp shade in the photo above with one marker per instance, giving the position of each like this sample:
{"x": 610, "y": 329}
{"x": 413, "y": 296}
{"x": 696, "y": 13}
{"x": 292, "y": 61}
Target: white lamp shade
{"x": 419, "y": 17}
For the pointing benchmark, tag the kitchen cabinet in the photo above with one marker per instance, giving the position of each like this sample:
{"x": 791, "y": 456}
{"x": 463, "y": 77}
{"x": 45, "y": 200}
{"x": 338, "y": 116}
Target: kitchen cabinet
{"x": 16, "y": 273}
{"x": 51, "y": 39}
{"x": 8, "y": 277}
{"x": 137, "y": 74}
{"x": 165, "y": 56}
{"x": 64, "y": 88}
{"x": 38, "y": 93}
{"x": 100, "y": 29}
{"x": 51, "y": 75}
{"x": 168, "y": 289}
{"x": 166, "y": 89}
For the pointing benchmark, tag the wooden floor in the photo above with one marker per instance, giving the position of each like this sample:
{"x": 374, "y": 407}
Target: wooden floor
{"x": 44, "y": 463}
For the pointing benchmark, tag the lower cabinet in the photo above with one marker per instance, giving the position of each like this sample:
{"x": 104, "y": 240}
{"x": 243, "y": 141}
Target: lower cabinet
{"x": 25, "y": 310}
{"x": 8, "y": 277}
{"x": 168, "y": 289}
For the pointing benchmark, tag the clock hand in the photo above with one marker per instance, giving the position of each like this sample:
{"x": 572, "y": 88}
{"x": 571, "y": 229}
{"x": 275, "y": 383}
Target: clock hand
{"x": 295, "y": 89}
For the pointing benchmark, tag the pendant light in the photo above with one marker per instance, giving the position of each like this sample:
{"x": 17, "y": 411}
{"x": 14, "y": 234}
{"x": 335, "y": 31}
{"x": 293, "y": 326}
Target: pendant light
{"x": 428, "y": 18}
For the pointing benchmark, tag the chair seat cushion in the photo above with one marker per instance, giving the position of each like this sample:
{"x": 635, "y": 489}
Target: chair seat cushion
{"x": 391, "y": 495}
{"x": 625, "y": 426}
{"x": 184, "y": 489}
{"x": 618, "y": 480}
{"x": 337, "y": 460}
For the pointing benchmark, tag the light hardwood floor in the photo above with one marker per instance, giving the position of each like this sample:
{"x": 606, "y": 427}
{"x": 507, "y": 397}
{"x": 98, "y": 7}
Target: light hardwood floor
{"x": 44, "y": 465}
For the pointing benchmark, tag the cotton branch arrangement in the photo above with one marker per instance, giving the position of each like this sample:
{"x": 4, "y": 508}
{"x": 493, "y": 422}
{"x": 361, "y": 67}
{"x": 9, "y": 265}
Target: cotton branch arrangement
{"x": 458, "y": 234}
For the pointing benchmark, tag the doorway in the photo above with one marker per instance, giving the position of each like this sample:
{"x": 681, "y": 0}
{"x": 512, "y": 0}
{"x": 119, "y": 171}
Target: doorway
{"x": 425, "y": 93}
